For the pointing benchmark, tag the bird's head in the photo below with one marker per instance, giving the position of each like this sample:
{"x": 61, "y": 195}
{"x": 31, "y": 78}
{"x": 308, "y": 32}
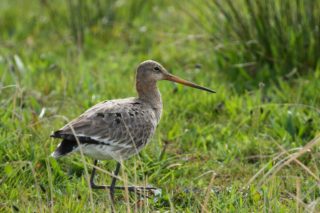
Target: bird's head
{"x": 153, "y": 71}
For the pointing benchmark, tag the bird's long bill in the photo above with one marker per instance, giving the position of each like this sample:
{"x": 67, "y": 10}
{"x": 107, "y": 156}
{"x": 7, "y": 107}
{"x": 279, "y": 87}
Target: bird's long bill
{"x": 173, "y": 78}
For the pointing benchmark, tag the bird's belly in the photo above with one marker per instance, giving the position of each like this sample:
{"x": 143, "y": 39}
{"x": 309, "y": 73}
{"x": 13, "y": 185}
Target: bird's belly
{"x": 96, "y": 151}
{"x": 107, "y": 152}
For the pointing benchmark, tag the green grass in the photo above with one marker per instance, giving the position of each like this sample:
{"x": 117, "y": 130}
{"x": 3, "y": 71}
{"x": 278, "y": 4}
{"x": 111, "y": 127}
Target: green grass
{"x": 245, "y": 149}
{"x": 260, "y": 40}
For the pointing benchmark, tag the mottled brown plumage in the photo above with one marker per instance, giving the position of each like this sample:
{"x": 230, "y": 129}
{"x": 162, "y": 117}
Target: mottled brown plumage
{"x": 118, "y": 129}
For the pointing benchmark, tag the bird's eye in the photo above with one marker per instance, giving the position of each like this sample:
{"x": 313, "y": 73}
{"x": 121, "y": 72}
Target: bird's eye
{"x": 156, "y": 69}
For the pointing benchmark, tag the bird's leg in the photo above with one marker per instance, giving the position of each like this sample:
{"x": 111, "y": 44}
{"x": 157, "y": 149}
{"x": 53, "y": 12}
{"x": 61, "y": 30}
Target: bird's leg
{"x": 92, "y": 184}
{"x": 113, "y": 186}
{"x": 114, "y": 179}
{"x": 135, "y": 189}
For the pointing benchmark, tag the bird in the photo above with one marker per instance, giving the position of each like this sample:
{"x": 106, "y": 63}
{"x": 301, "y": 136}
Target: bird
{"x": 118, "y": 129}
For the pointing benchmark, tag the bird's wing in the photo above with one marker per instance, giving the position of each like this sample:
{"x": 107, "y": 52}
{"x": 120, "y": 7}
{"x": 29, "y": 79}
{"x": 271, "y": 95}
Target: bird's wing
{"x": 119, "y": 122}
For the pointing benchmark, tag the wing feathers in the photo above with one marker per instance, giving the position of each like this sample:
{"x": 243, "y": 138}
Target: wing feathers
{"x": 120, "y": 124}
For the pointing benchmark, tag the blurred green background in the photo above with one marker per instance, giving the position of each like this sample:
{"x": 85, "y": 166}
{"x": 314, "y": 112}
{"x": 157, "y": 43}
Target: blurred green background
{"x": 250, "y": 147}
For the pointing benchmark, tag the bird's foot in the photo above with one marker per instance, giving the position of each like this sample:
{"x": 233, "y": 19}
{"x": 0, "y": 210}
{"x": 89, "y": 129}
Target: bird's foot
{"x": 145, "y": 191}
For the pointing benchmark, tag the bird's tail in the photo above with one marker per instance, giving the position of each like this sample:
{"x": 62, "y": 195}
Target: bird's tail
{"x": 64, "y": 148}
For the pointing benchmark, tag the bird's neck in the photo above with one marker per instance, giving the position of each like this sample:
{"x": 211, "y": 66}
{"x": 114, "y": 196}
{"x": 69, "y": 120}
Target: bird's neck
{"x": 149, "y": 92}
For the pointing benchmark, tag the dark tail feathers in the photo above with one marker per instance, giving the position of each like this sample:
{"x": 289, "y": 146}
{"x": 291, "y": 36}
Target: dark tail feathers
{"x": 64, "y": 148}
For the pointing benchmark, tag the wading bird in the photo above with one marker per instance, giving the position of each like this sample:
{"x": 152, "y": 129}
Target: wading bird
{"x": 119, "y": 129}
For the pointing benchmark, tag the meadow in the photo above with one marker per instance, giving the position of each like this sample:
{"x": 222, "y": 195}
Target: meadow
{"x": 251, "y": 147}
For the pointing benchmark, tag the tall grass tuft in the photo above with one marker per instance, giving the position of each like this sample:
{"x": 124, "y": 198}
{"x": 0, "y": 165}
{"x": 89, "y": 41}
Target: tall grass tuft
{"x": 80, "y": 16}
{"x": 98, "y": 18}
{"x": 281, "y": 38}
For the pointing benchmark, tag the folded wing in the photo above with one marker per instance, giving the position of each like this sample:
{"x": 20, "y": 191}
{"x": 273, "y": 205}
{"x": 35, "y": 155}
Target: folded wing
{"x": 121, "y": 125}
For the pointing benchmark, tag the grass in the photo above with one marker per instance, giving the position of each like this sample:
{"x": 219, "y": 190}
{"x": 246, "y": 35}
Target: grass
{"x": 263, "y": 39}
{"x": 247, "y": 148}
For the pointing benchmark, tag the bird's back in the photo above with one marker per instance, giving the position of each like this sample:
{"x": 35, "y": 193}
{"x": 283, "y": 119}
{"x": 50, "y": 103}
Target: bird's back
{"x": 114, "y": 129}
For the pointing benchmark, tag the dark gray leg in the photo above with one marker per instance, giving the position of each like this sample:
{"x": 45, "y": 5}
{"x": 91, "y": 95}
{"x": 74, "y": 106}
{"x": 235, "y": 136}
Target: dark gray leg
{"x": 92, "y": 184}
{"x": 114, "y": 179}
{"x": 113, "y": 186}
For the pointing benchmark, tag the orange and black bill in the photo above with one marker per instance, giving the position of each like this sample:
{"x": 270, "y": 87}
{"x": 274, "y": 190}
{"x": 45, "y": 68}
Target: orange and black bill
{"x": 176, "y": 79}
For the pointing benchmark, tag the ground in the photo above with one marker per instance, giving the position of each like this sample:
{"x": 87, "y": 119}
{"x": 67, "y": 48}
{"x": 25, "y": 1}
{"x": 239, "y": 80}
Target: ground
{"x": 251, "y": 147}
